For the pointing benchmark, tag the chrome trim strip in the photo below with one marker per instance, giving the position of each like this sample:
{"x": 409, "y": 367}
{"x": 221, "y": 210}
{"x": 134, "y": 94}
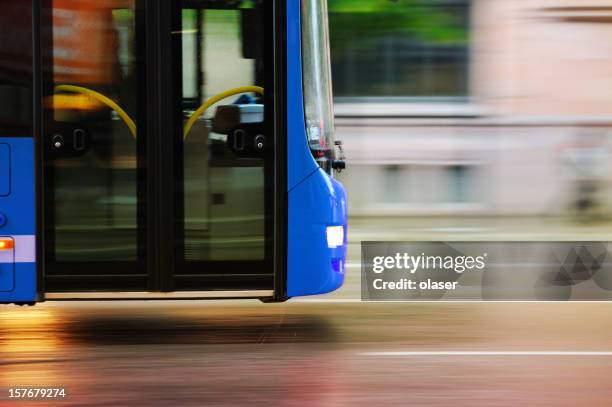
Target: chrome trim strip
{"x": 140, "y": 295}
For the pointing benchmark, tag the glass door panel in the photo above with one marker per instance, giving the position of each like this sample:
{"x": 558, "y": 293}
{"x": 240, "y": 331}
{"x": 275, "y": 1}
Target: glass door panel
{"x": 92, "y": 204}
{"x": 227, "y": 171}
{"x": 106, "y": 140}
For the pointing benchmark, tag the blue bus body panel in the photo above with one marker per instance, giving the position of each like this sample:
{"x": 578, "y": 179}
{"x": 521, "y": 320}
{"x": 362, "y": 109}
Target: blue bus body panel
{"x": 316, "y": 201}
{"x": 18, "y": 220}
{"x": 5, "y": 169}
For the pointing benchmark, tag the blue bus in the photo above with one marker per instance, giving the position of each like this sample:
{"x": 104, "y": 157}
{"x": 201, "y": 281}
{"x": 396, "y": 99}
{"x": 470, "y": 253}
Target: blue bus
{"x": 167, "y": 149}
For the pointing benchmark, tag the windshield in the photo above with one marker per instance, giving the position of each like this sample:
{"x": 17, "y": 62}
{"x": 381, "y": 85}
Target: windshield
{"x": 317, "y": 79}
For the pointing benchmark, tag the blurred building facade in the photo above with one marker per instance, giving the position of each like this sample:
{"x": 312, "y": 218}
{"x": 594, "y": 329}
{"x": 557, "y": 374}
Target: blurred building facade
{"x": 474, "y": 107}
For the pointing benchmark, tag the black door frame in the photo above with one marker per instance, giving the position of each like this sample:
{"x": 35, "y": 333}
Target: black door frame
{"x": 235, "y": 274}
{"x": 159, "y": 161}
{"x": 160, "y": 80}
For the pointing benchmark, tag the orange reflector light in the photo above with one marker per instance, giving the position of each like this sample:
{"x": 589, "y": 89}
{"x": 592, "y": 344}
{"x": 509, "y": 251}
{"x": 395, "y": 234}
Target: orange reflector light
{"x": 6, "y": 244}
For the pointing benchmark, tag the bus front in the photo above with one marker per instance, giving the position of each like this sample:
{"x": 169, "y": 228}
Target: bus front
{"x": 317, "y": 232}
{"x": 176, "y": 149}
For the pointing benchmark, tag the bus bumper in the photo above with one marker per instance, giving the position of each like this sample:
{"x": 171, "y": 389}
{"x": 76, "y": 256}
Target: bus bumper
{"x": 317, "y": 236}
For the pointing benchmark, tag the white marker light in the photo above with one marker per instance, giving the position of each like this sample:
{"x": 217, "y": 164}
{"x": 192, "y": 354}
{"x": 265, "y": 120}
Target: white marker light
{"x": 335, "y": 236}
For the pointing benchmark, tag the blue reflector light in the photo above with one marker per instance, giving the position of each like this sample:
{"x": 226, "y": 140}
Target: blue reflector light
{"x": 337, "y": 265}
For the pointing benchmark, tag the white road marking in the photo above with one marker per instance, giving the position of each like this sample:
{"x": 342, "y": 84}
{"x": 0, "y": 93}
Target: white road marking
{"x": 488, "y": 353}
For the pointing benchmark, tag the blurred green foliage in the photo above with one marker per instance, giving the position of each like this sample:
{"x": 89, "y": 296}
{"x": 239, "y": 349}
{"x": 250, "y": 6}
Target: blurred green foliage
{"x": 430, "y": 21}
{"x": 399, "y": 48}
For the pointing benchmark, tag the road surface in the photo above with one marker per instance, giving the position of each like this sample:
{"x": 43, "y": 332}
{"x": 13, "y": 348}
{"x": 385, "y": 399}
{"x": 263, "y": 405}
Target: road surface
{"x": 305, "y": 353}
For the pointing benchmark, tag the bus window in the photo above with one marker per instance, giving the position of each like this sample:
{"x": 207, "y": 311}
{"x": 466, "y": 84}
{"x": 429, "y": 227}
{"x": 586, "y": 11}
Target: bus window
{"x": 15, "y": 69}
{"x": 317, "y": 80}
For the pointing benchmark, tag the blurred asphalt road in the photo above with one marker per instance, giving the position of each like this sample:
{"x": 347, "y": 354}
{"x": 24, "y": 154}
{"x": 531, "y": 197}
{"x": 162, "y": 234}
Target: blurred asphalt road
{"x": 198, "y": 353}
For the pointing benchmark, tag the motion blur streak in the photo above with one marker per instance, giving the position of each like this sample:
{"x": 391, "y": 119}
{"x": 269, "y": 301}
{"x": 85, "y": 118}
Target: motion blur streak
{"x": 473, "y": 120}
{"x": 26, "y": 324}
{"x": 461, "y": 120}
{"x": 233, "y": 353}
{"x": 476, "y": 114}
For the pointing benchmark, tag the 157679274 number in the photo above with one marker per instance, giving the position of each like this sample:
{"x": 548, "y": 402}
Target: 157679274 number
{"x": 37, "y": 393}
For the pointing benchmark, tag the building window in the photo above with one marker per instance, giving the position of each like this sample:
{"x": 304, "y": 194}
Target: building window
{"x": 460, "y": 184}
{"x": 401, "y": 48}
{"x": 392, "y": 187}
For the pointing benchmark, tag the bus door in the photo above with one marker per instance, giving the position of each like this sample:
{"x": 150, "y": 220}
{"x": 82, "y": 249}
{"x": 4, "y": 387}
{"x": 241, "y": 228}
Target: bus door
{"x": 157, "y": 146}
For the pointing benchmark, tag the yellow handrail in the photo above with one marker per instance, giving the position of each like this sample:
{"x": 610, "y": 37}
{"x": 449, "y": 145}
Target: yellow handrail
{"x": 101, "y": 98}
{"x": 130, "y": 123}
{"x": 214, "y": 99}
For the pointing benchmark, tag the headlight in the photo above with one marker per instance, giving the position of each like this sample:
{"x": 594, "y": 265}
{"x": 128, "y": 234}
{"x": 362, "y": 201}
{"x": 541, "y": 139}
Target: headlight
{"x": 335, "y": 236}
